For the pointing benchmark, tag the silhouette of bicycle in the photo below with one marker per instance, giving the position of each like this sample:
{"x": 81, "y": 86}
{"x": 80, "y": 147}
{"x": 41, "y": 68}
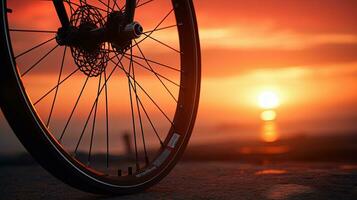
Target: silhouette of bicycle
{"x": 75, "y": 75}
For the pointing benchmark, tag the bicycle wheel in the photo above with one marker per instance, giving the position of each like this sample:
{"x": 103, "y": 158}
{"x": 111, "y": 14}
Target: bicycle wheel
{"x": 103, "y": 94}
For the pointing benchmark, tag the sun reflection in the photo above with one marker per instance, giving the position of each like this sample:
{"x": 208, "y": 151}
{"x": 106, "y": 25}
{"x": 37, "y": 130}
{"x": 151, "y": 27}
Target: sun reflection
{"x": 268, "y": 115}
{"x": 269, "y": 133}
{"x": 269, "y": 101}
{"x": 271, "y": 172}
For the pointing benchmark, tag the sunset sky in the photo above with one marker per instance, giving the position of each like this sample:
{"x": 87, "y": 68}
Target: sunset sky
{"x": 305, "y": 51}
{"x": 302, "y": 51}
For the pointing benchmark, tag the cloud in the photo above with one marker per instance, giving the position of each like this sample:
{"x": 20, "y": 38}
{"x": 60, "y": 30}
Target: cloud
{"x": 230, "y": 62}
{"x": 267, "y": 37}
{"x": 303, "y": 16}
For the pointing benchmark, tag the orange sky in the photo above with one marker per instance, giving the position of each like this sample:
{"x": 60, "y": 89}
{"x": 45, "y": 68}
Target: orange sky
{"x": 305, "y": 51}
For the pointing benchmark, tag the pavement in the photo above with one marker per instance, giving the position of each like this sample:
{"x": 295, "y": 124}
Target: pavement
{"x": 204, "y": 180}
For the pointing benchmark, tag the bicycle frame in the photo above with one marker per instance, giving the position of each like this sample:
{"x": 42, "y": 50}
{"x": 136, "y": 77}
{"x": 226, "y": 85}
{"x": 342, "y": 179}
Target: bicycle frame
{"x": 63, "y": 17}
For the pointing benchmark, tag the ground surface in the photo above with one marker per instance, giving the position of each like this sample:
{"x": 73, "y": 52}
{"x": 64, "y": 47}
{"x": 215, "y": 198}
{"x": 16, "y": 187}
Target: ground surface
{"x": 215, "y": 180}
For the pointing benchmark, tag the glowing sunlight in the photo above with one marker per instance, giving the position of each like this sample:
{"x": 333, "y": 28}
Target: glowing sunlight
{"x": 268, "y": 100}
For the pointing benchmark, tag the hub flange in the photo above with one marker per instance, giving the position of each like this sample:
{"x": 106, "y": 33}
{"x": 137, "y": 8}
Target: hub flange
{"x": 88, "y": 36}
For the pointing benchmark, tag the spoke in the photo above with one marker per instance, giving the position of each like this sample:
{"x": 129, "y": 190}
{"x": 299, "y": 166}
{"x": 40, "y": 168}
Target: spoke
{"x": 162, "y": 21}
{"x": 51, "y": 90}
{"x": 155, "y": 73}
{"x": 163, "y": 28}
{"x": 133, "y": 116}
{"x": 106, "y": 5}
{"x": 156, "y": 27}
{"x": 138, "y": 109}
{"x": 149, "y": 119}
{"x": 144, "y": 3}
{"x": 155, "y": 62}
{"x": 93, "y": 106}
{"x": 158, "y": 77}
{"x": 57, "y": 88}
{"x": 39, "y": 61}
{"x": 147, "y": 94}
{"x": 80, "y": 2}
{"x": 143, "y": 57}
{"x": 94, "y": 121}
{"x": 162, "y": 43}
{"x": 116, "y": 4}
{"x": 31, "y": 31}
{"x": 74, "y": 108}
{"x": 141, "y": 104}
{"x": 33, "y": 48}
{"x": 127, "y": 56}
{"x": 72, "y": 10}
{"x": 106, "y": 116}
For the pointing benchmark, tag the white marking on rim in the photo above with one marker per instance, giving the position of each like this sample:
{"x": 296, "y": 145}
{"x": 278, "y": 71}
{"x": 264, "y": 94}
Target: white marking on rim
{"x": 161, "y": 159}
{"x": 173, "y": 141}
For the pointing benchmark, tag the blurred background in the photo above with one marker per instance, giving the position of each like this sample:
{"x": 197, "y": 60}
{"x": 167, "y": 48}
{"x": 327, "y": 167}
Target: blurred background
{"x": 279, "y": 82}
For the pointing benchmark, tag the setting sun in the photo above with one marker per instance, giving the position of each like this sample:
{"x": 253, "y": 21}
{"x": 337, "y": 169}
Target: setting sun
{"x": 268, "y": 100}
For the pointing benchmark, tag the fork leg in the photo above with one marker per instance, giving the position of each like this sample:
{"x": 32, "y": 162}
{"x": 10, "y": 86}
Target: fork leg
{"x": 130, "y": 7}
{"x": 62, "y": 13}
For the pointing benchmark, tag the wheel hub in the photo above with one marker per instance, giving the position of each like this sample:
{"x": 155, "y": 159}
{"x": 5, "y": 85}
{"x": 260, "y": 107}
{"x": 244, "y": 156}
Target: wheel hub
{"x": 115, "y": 23}
{"x": 89, "y": 36}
